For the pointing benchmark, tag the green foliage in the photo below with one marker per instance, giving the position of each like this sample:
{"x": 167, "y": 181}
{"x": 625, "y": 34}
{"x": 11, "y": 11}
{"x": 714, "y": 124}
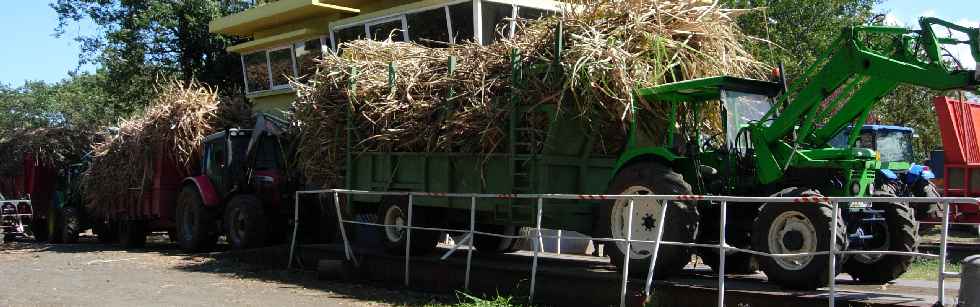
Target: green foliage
{"x": 143, "y": 41}
{"x": 800, "y": 30}
{"x": 76, "y": 101}
{"x": 467, "y": 300}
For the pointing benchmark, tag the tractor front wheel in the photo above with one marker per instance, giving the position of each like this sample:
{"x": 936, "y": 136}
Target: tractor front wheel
{"x": 789, "y": 228}
{"x": 649, "y": 178}
{"x": 896, "y": 233}
{"x": 245, "y": 222}
{"x": 67, "y": 225}
{"x": 195, "y": 223}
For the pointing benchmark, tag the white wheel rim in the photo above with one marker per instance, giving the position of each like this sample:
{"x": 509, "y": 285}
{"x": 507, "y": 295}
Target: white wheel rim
{"x": 394, "y": 217}
{"x": 646, "y": 213}
{"x": 796, "y": 222}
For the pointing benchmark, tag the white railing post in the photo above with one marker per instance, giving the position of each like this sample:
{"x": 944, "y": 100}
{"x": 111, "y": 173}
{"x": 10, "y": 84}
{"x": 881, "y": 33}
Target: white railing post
{"x": 722, "y": 250}
{"x": 941, "y": 277}
{"x": 626, "y": 255}
{"x": 558, "y": 243}
{"x": 343, "y": 233}
{"x": 656, "y": 246}
{"x": 408, "y": 236}
{"x": 469, "y": 252}
{"x": 832, "y": 261}
{"x": 292, "y": 243}
{"x": 534, "y": 263}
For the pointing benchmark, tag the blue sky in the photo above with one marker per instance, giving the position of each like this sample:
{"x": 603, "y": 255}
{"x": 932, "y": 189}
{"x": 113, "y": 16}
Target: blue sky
{"x": 30, "y": 52}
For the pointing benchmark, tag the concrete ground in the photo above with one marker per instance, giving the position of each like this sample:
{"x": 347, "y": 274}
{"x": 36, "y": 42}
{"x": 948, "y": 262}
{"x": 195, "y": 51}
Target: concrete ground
{"x": 91, "y": 274}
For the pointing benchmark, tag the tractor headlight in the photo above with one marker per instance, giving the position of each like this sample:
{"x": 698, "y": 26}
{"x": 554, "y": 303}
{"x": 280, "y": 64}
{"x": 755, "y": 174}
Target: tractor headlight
{"x": 856, "y": 188}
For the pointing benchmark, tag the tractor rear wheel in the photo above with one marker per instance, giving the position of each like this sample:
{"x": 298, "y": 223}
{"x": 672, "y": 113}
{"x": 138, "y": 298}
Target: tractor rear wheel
{"x": 649, "y": 178}
{"x": 67, "y": 225}
{"x": 41, "y": 230}
{"x": 245, "y": 222}
{"x": 107, "y": 232}
{"x": 926, "y": 211}
{"x": 132, "y": 234}
{"x": 897, "y": 233}
{"x": 493, "y": 244}
{"x": 735, "y": 263}
{"x": 788, "y": 228}
{"x": 195, "y": 224}
{"x": 393, "y": 212}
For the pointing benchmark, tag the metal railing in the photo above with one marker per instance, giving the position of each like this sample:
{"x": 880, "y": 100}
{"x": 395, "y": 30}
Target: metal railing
{"x": 664, "y": 200}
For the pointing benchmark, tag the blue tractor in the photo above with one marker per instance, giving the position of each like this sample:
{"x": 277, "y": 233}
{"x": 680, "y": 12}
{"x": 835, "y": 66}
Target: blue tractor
{"x": 899, "y": 175}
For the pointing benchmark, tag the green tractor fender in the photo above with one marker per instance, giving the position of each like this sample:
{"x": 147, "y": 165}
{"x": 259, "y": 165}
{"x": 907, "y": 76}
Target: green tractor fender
{"x": 657, "y": 153}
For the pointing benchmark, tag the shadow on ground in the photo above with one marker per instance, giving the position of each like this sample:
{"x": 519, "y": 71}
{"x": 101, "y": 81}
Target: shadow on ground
{"x": 264, "y": 264}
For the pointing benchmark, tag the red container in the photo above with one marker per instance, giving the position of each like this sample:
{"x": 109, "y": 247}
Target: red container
{"x": 154, "y": 203}
{"x": 959, "y": 123}
{"x": 35, "y": 181}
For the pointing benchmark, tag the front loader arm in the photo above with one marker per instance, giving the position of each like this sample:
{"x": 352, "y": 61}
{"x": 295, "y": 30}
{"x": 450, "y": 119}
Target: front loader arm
{"x": 840, "y": 89}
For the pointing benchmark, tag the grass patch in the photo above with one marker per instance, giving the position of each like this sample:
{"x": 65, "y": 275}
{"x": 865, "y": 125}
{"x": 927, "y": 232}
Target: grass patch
{"x": 467, "y": 300}
{"x": 926, "y": 269}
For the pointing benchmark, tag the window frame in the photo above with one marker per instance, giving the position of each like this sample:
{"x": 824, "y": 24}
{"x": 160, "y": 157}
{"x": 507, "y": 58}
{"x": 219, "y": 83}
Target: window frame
{"x": 403, "y": 18}
{"x": 268, "y": 62}
{"x": 268, "y": 59}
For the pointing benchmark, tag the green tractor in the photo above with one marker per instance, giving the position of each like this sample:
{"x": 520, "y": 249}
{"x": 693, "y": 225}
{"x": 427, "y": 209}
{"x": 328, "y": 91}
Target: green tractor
{"x": 776, "y": 142}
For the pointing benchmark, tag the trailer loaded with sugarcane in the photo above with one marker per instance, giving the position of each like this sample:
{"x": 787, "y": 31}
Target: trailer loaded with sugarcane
{"x": 634, "y": 108}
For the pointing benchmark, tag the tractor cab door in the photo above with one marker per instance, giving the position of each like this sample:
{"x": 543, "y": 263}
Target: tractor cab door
{"x": 216, "y": 162}
{"x": 740, "y": 109}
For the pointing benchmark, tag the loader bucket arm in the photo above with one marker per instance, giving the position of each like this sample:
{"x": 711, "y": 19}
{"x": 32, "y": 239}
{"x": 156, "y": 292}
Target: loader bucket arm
{"x": 840, "y": 88}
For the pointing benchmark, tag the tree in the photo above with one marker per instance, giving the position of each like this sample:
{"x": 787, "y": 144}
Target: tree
{"x": 799, "y": 30}
{"x": 143, "y": 41}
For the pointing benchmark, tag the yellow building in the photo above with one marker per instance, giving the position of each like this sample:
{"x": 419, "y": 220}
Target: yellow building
{"x": 287, "y": 35}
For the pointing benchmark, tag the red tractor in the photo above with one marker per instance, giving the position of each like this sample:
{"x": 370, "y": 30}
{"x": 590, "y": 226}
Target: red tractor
{"x": 242, "y": 190}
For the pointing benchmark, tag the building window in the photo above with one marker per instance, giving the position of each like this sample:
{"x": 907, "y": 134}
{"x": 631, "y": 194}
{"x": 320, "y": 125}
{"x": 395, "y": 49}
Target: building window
{"x": 306, "y": 54}
{"x": 348, "y": 34}
{"x": 532, "y": 13}
{"x": 429, "y": 28}
{"x": 461, "y": 19}
{"x": 494, "y": 14}
{"x": 393, "y": 28}
{"x": 281, "y": 63}
{"x": 256, "y": 71}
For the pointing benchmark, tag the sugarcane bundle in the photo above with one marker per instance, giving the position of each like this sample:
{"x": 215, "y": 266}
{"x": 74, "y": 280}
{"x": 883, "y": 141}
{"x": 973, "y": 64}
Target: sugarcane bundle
{"x": 404, "y": 97}
{"x": 171, "y": 128}
{"x": 55, "y": 147}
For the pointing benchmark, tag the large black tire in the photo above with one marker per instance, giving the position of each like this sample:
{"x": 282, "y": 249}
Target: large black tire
{"x": 924, "y": 211}
{"x": 41, "y": 230}
{"x": 492, "y": 244}
{"x": 246, "y": 224}
{"x": 107, "y": 232}
{"x": 196, "y": 226}
{"x": 649, "y": 178}
{"x": 132, "y": 234}
{"x": 805, "y": 227}
{"x": 394, "y": 211}
{"x": 735, "y": 263}
{"x": 67, "y": 225}
{"x": 899, "y": 235}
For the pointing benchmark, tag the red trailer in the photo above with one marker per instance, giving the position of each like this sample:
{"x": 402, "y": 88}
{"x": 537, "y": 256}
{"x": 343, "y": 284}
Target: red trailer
{"x": 38, "y": 183}
{"x": 142, "y": 209}
{"x": 959, "y": 122}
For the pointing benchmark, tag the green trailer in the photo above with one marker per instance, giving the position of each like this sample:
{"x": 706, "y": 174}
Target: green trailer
{"x": 773, "y": 142}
